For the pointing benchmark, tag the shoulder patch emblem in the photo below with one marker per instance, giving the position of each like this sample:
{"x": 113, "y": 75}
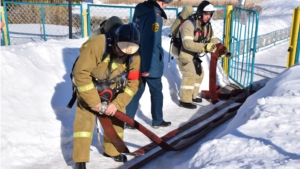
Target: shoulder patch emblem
{"x": 155, "y": 26}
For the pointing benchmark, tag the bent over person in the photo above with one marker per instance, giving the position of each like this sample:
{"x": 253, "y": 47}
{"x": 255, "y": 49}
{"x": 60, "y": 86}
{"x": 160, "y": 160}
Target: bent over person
{"x": 197, "y": 38}
{"x": 118, "y": 72}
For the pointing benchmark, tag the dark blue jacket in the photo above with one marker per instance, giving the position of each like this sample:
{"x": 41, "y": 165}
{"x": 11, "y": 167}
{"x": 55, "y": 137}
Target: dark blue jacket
{"x": 148, "y": 19}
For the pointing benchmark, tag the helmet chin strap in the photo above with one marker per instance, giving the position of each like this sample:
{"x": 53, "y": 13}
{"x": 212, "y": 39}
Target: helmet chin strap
{"x": 120, "y": 51}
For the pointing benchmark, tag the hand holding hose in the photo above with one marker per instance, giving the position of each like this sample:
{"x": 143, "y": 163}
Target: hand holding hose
{"x": 97, "y": 108}
{"x": 110, "y": 110}
{"x": 210, "y": 47}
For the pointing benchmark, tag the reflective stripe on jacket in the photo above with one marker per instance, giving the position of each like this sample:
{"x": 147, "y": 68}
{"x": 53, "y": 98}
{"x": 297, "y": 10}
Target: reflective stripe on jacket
{"x": 90, "y": 64}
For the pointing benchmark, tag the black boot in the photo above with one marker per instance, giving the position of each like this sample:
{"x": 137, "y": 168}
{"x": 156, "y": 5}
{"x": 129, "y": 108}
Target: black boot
{"x": 118, "y": 158}
{"x": 197, "y": 100}
{"x": 162, "y": 124}
{"x": 127, "y": 126}
{"x": 80, "y": 165}
{"x": 187, "y": 105}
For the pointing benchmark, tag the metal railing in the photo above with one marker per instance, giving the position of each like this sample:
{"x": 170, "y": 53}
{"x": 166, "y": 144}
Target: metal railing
{"x": 273, "y": 38}
{"x": 99, "y": 13}
{"x": 35, "y": 22}
{"x": 244, "y": 29}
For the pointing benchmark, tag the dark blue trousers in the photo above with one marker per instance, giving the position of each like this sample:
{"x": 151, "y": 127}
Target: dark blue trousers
{"x": 155, "y": 87}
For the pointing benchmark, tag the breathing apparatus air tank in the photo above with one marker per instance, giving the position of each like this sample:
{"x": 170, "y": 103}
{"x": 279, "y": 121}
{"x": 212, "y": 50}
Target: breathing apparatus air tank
{"x": 175, "y": 38}
{"x": 184, "y": 14}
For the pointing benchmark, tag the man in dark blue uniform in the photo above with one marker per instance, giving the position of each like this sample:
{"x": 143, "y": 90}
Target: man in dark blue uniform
{"x": 148, "y": 19}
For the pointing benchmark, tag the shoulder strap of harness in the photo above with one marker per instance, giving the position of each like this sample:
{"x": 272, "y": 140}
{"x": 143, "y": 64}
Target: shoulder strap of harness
{"x": 203, "y": 38}
{"x": 120, "y": 85}
{"x": 106, "y": 52}
{"x": 177, "y": 40}
{"x": 193, "y": 20}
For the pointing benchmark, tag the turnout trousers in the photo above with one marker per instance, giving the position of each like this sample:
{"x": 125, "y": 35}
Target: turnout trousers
{"x": 190, "y": 83}
{"x": 84, "y": 124}
{"x": 155, "y": 87}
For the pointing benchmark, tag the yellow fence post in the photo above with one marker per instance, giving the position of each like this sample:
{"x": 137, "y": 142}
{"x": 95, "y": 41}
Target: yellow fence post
{"x": 4, "y": 28}
{"x": 227, "y": 36}
{"x": 293, "y": 38}
{"x": 85, "y": 27}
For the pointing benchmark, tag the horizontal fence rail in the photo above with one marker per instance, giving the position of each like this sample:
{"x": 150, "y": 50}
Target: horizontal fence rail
{"x": 35, "y": 22}
{"x": 99, "y": 13}
{"x": 273, "y": 38}
{"x": 265, "y": 41}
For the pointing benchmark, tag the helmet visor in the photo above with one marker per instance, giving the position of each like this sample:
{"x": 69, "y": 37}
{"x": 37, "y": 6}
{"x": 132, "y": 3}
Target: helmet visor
{"x": 208, "y": 13}
{"x": 128, "y": 48}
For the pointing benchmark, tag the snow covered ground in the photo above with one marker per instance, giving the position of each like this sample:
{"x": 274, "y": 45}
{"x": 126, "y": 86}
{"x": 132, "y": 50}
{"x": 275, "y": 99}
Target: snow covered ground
{"x": 37, "y": 128}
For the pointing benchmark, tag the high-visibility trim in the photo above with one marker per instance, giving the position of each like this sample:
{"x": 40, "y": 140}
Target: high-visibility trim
{"x": 187, "y": 38}
{"x": 114, "y": 66}
{"x": 83, "y": 134}
{"x": 85, "y": 88}
{"x": 187, "y": 87}
{"x": 121, "y": 134}
{"x": 106, "y": 60}
{"x": 134, "y": 75}
{"x": 197, "y": 84}
{"x": 129, "y": 92}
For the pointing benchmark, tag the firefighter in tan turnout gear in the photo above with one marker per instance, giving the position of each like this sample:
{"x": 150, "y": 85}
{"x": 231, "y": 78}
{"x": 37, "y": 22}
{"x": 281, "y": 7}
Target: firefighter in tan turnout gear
{"x": 117, "y": 73}
{"x": 196, "y": 38}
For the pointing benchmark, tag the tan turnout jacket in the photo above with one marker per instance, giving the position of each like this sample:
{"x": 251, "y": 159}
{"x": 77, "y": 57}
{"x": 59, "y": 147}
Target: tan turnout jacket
{"x": 90, "y": 64}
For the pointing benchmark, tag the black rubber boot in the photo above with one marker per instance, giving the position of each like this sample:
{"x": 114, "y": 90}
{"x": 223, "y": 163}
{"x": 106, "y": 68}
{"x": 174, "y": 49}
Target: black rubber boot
{"x": 80, "y": 165}
{"x": 118, "y": 158}
{"x": 197, "y": 100}
{"x": 187, "y": 105}
{"x": 162, "y": 124}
